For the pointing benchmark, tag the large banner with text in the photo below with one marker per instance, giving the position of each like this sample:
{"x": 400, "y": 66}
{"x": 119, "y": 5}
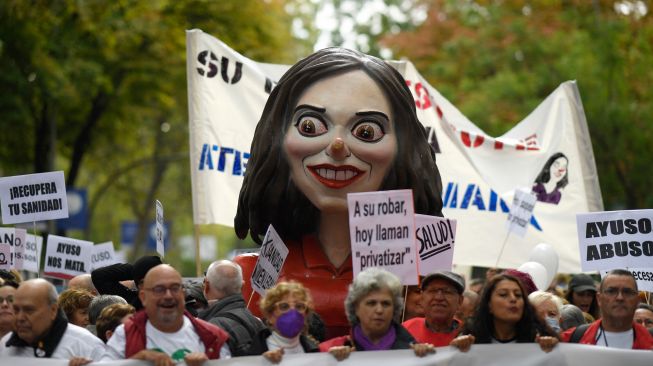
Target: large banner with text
{"x": 550, "y": 152}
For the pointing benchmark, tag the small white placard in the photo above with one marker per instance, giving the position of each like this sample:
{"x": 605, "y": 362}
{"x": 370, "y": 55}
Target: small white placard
{"x": 33, "y": 246}
{"x": 436, "y": 237}
{"x": 382, "y": 232}
{"x": 159, "y": 229}
{"x": 5, "y": 256}
{"x": 67, "y": 257}
{"x": 33, "y": 197}
{"x": 15, "y": 238}
{"x": 523, "y": 204}
{"x": 270, "y": 261}
{"x": 615, "y": 239}
{"x": 103, "y": 255}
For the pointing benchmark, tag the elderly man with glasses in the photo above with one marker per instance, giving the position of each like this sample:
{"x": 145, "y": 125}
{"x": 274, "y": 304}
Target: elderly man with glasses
{"x": 163, "y": 332}
{"x": 617, "y": 298}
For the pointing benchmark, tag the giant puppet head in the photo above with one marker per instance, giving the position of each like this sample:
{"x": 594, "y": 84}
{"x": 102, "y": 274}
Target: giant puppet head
{"x": 338, "y": 121}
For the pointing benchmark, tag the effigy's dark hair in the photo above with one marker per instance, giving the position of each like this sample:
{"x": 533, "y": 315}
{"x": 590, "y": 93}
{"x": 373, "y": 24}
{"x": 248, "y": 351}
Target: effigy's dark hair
{"x": 545, "y": 174}
{"x": 526, "y": 329}
{"x": 268, "y": 195}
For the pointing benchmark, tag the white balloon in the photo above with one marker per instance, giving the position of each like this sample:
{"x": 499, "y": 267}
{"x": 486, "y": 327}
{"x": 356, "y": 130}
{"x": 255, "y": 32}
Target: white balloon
{"x": 538, "y": 274}
{"x": 547, "y": 256}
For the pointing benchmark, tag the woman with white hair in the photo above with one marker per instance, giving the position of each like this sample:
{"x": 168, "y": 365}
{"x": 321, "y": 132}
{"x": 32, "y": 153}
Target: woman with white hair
{"x": 373, "y": 306}
{"x": 548, "y": 308}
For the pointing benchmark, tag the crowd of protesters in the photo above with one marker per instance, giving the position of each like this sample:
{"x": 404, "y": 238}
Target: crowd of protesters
{"x": 147, "y": 311}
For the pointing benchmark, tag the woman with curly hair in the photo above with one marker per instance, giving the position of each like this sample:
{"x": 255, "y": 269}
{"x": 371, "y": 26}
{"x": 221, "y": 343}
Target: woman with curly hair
{"x": 74, "y": 302}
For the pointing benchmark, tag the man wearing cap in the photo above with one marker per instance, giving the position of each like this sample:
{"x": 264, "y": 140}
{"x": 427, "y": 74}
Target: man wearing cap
{"x": 107, "y": 280}
{"x": 441, "y": 297}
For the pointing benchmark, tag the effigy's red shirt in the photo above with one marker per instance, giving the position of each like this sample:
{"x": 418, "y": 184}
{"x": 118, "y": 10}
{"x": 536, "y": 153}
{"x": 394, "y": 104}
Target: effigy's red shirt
{"x": 307, "y": 263}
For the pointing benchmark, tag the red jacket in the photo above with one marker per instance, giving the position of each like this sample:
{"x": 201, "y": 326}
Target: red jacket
{"x": 212, "y": 336}
{"x": 307, "y": 263}
{"x": 418, "y": 329}
{"x": 643, "y": 339}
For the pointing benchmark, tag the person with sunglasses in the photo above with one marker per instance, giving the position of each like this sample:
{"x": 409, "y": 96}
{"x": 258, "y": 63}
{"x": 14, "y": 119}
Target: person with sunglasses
{"x": 286, "y": 308}
{"x": 617, "y": 298}
{"x": 164, "y": 332}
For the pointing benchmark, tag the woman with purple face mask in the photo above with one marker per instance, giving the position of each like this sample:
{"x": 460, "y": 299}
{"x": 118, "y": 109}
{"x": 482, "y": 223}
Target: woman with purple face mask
{"x": 286, "y": 308}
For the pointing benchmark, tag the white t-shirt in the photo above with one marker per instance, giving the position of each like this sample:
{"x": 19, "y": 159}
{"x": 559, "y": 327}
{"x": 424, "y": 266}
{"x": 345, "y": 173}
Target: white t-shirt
{"x": 76, "y": 342}
{"x": 290, "y": 346}
{"x": 622, "y": 340}
{"x": 176, "y": 345}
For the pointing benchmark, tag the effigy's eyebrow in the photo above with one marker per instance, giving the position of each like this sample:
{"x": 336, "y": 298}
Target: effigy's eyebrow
{"x": 312, "y": 107}
{"x": 372, "y": 113}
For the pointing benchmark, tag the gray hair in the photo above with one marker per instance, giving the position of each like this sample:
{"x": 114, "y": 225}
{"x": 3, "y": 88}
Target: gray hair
{"x": 225, "y": 276}
{"x": 370, "y": 280}
{"x": 99, "y": 303}
{"x": 571, "y": 316}
{"x": 538, "y": 297}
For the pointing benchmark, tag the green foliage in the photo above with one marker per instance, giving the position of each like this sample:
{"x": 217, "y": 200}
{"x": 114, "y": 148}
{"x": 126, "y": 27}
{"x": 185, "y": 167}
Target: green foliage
{"x": 496, "y": 61}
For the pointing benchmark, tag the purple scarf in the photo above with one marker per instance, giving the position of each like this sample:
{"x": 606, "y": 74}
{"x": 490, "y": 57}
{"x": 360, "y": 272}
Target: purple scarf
{"x": 384, "y": 343}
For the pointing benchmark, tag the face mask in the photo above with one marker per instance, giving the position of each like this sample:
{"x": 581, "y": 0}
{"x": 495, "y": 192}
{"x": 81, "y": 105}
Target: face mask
{"x": 553, "y": 324}
{"x": 290, "y": 323}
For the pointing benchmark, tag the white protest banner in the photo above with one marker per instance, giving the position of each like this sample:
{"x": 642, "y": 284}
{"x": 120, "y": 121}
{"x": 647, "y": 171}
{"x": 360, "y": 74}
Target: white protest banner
{"x": 643, "y": 277}
{"x": 67, "y": 257}
{"x": 227, "y": 92}
{"x": 103, "y": 255}
{"x": 382, "y": 232}
{"x": 159, "y": 229}
{"x": 270, "y": 261}
{"x": 436, "y": 237}
{"x": 33, "y": 246}
{"x": 15, "y": 238}
{"x": 5, "y": 256}
{"x": 33, "y": 197}
{"x": 517, "y": 354}
{"x": 615, "y": 239}
{"x": 521, "y": 211}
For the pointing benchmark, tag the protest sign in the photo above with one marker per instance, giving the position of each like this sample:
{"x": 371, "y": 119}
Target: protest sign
{"x": 103, "y": 255}
{"x": 382, "y": 232}
{"x": 33, "y": 197}
{"x": 67, "y": 257}
{"x": 615, "y": 239}
{"x": 523, "y": 204}
{"x": 33, "y": 246}
{"x": 5, "y": 255}
{"x": 270, "y": 261}
{"x": 435, "y": 243}
{"x": 159, "y": 229}
{"x": 15, "y": 238}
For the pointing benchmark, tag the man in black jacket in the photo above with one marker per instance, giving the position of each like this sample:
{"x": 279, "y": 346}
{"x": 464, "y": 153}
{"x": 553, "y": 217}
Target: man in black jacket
{"x": 228, "y": 310}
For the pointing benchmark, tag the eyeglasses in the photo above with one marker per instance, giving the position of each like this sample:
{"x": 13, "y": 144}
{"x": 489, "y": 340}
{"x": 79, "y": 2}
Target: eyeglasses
{"x": 645, "y": 322}
{"x": 448, "y": 292}
{"x": 614, "y": 292}
{"x": 284, "y": 306}
{"x": 161, "y": 290}
{"x": 9, "y": 299}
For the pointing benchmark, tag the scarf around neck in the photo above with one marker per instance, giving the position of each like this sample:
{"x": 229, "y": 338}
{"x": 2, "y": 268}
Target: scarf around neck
{"x": 384, "y": 343}
{"x": 44, "y": 347}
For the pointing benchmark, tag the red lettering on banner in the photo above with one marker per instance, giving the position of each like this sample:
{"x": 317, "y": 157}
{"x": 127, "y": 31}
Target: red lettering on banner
{"x": 465, "y": 137}
{"x": 498, "y": 145}
{"x": 422, "y": 93}
{"x": 439, "y": 111}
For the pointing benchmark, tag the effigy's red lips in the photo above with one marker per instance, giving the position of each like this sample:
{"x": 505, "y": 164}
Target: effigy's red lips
{"x": 335, "y": 176}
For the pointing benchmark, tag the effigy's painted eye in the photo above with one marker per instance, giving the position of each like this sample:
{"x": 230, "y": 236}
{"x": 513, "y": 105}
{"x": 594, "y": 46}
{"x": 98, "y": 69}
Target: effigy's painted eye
{"x": 368, "y": 131}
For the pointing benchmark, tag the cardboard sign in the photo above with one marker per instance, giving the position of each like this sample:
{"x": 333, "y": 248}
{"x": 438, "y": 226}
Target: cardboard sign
{"x": 66, "y": 257}
{"x": 382, "y": 232}
{"x": 435, "y": 243}
{"x": 15, "y": 239}
{"x": 5, "y": 255}
{"x": 523, "y": 204}
{"x": 159, "y": 229}
{"x": 615, "y": 239}
{"x": 33, "y": 197}
{"x": 33, "y": 246}
{"x": 270, "y": 261}
{"x": 103, "y": 255}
